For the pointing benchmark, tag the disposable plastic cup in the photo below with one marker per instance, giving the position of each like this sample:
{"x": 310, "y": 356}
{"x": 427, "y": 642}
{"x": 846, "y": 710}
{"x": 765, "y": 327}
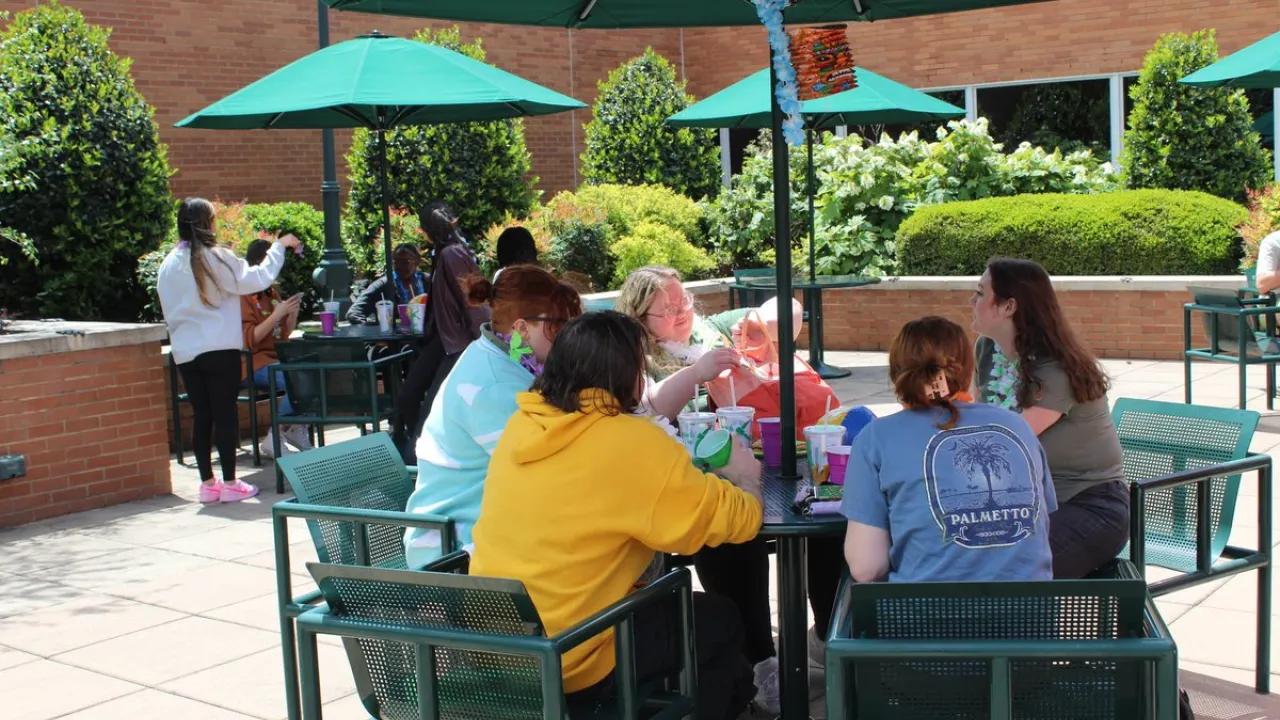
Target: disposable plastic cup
{"x": 385, "y": 308}
{"x": 328, "y": 321}
{"x": 714, "y": 449}
{"x": 737, "y": 420}
{"x": 771, "y": 440}
{"x": 404, "y": 315}
{"x": 817, "y": 438}
{"x": 838, "y": 460}
{"x": 332, "y": 307}
{"x": 417, "y": 317}
{"x": 692, "y": 427}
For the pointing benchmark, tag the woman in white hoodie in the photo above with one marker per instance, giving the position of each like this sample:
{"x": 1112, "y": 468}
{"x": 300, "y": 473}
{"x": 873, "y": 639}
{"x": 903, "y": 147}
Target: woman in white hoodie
{"x": 200, "y": 284}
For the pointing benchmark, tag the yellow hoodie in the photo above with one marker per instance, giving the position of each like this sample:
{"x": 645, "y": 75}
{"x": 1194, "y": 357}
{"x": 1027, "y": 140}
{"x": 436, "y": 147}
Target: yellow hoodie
{"x": 576, "y": 504}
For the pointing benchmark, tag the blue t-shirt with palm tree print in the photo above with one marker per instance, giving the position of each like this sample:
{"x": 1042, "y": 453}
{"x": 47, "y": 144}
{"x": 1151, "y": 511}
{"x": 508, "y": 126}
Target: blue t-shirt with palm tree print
{"x": 970, "y": 503}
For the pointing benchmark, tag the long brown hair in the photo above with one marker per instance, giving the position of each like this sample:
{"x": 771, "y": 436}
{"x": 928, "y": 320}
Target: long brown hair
{"x": 524, "y": 291}
{"x": 922, "y": 349}
{"x": 195, "y": 227}
{"x": 1042, "y": 332}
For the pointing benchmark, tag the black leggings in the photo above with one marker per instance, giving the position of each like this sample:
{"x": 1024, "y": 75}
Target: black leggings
{"x": 741, "y": 573}
{"x": 212, "y": 382}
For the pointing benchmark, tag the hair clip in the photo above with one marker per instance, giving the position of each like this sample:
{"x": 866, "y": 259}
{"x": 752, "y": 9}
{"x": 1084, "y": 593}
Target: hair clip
{"x": 938, "y": 388}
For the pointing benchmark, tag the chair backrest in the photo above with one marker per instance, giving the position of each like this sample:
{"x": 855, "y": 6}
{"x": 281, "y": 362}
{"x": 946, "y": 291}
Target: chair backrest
{"x": 1162, "y": 438}
{"x": 468, "y": 683}
{"x": 326, "y": 391}
{"x": 1228, "y": 330}
{"x": 1013, "y": 611}
{"x": 365, "y": 473}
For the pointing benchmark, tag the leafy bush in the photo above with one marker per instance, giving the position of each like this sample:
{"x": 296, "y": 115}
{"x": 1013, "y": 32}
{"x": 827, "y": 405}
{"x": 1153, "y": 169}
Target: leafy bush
{"x": 628, "y": 141}
{"x": 864, "y": 192}
{"x": 1136, "y": 232}
{"x": 603, "y": 231}
{"x": 1188, "y": 138}
{"x": 238, "y": 226}
{"x": 365, "y": 248}
{"x": 88, "y": 179}
{"x": 651, "y": 243}
{"x": 1263, "y": 219}
{"x": 579, "y": 238}
{"x": 480, "y": 169}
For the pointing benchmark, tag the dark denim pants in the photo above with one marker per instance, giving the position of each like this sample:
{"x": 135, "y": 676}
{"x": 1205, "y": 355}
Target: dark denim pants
{"x": 1089, "y": 530}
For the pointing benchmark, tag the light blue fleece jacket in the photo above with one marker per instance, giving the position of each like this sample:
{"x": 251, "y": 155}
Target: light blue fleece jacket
{"x": 467, "y": 418}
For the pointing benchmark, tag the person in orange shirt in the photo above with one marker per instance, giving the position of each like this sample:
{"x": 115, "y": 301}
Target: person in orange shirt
{"x": 265, "y": 319}
{"x": 583, "y": 496}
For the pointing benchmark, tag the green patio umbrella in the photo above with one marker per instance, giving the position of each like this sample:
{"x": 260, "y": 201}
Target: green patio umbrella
{"x": 1256, "y": 66}
{"x": 877, "y": 100}
{"x": 612, "y": 14}
{"x": 380, "y": 83}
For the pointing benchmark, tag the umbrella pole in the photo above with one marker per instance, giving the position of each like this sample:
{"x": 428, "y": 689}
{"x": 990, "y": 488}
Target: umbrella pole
{"x": 1275, "y": 131}
{"x": 813, "y": 228}
{"x": 782, "y": 248}
{"x": 386, "y": 216}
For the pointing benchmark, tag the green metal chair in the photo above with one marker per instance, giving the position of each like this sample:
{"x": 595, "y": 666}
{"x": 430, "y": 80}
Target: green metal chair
{"x": 352, "y": 496}
{"x": 333, "y": 383}
{"x": 1184, "y": 464}
{"x": 1079, "y": 649}
{"x": 250, "y": 395}
{"x": 742, "y": 297}
{"x": 442, "y": 644}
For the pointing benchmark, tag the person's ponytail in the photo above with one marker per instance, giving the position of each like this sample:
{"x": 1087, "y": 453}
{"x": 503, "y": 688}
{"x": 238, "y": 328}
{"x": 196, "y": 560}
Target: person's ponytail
{"x": 930, "y": 361}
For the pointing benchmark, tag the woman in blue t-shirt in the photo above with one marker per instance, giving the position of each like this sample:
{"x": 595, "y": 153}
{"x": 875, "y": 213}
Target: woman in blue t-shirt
{"x": 946, "y": 489}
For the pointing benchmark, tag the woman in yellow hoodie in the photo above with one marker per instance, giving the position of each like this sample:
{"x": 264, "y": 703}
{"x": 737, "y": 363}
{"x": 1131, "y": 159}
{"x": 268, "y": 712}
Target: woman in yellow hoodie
{"x": 582, "y": 495}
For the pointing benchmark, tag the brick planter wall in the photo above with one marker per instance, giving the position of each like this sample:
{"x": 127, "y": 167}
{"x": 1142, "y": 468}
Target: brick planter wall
{"x": 88, "y": 412}
{"x": 1138, "y": 317}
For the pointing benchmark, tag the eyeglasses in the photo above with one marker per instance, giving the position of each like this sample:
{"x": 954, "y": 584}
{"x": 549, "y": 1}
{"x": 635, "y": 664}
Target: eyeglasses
{"x": 686, "y": 304}
{"x": 551, "y": 325}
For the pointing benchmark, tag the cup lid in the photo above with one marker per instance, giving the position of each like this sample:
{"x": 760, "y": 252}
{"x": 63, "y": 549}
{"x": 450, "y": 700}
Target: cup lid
{"x": 825, "y": 430}
{"x": 839, "y": 450}
{"x": 696, "y": 416}
{"x": 769, "y": 420}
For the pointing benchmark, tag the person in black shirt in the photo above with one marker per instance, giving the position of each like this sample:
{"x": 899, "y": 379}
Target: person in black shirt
{"x": 407, "y": 283}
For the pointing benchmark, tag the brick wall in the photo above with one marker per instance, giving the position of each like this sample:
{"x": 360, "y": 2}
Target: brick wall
{"x": 1138, "y": 318}
{"x": 188, "y": 54}
{"x": 92, "y": 425}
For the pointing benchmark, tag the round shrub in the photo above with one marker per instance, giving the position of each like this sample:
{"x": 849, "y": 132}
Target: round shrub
{"x": 481, "y": 169}
{"x": 86, "y": 185}
{"x": 1133, "y": 232}
{"x": 628, "y": 141}
{"x": 651, "y": 243}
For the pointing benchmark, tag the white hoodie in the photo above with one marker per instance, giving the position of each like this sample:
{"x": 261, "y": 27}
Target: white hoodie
{"x": 196, "y": 328}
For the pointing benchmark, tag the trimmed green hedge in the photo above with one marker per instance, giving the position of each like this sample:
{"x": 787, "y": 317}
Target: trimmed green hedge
{"x": 1136, "y": 232}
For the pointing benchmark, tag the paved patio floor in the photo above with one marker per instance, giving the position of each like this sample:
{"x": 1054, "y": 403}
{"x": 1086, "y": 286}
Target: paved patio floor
{"x": 166, "y": 609}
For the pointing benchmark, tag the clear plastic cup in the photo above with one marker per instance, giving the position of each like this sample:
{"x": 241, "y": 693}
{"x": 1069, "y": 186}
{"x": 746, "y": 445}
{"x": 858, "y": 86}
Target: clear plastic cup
{"x": 818, "y": 438}
{"x": 737, "y": 420}
{"x": 332, "y": 306}
{"x": 692, "y": 427}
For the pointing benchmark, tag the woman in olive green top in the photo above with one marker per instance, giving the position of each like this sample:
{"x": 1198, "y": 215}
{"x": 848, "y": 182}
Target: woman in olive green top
{"x": 1030, "y": 361}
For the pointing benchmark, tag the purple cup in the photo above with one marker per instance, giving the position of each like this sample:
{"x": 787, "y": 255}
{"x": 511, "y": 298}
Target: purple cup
{"x": 404, "y": 316}
{"x": 328, "y": 321}
{"x": 838, "y": 462}
{"x": 771, "y": 440}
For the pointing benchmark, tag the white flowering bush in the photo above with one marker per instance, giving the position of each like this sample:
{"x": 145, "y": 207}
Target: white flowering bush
{"x": 865, "y": 191}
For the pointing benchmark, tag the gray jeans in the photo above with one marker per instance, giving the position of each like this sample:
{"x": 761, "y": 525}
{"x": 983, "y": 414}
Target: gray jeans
{"x": 1089, "y": 530}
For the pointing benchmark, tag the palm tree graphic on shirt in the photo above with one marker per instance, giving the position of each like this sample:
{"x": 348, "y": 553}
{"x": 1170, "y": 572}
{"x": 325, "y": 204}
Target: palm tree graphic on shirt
{"x": 985, "y": 456}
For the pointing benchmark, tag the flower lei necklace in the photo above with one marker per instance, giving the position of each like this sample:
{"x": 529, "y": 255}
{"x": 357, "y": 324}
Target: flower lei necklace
{"x": 277, "y": 332}
{"x": 520, "y": 352}
{"x": 1003, "y": 387}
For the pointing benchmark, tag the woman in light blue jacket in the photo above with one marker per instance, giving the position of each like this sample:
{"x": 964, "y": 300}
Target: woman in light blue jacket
{"x": 529, "y": 307}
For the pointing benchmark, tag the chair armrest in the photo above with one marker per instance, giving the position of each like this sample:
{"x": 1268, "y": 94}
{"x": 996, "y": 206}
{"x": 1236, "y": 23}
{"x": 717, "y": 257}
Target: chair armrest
{"x": 293, "y": 508}
{"x": 391, "y": 359}
{"x": 674, "y": 581}
{"x": 1138, "y": 490}
{"x": 458, "y": 561}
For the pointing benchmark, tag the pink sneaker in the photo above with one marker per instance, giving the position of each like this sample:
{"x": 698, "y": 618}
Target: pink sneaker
{"x": 211, "y": 492}
{"x": 237, "y": 491}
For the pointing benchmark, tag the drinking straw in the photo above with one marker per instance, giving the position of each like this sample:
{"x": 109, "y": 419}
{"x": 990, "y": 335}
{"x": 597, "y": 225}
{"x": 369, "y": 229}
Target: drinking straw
{"x": 733, "y": 393}
{"x": 826, "y": 416}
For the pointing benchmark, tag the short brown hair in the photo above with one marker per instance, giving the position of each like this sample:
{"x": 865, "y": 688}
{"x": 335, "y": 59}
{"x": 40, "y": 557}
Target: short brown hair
{"x": 922, "y": 349}
{"x": 524, "y": 291}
